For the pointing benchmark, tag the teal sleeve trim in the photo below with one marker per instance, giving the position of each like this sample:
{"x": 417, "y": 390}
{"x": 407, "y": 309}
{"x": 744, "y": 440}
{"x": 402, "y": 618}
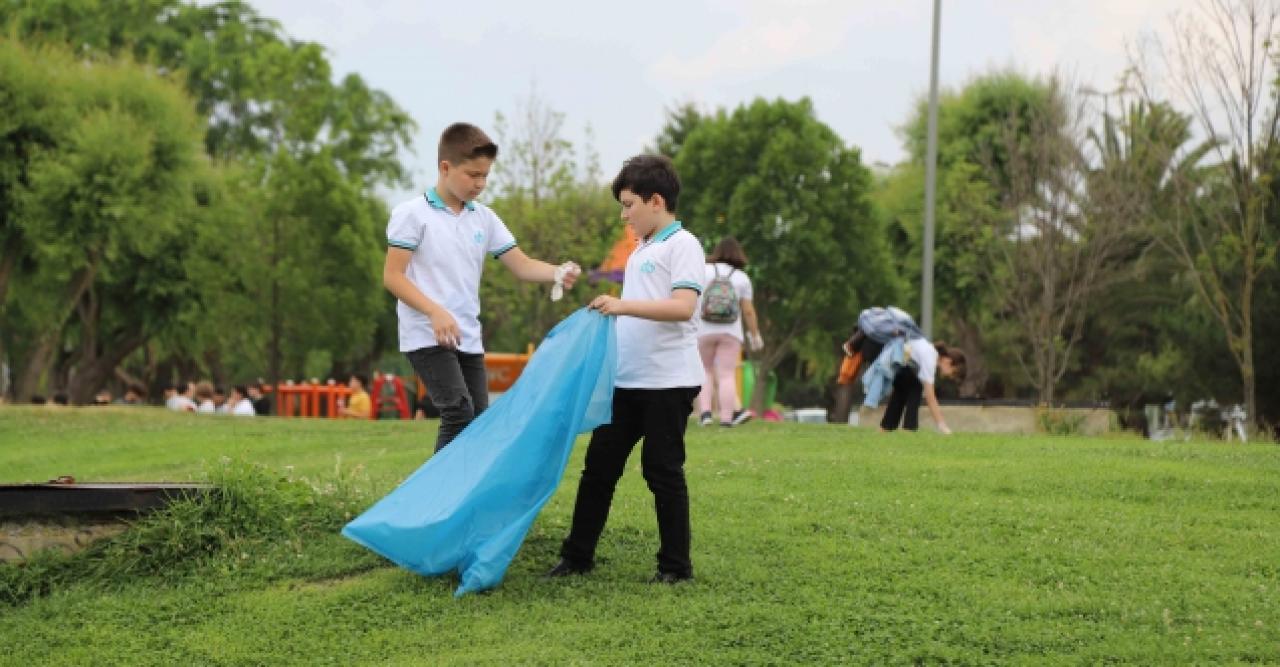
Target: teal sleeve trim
{"x": 407, "y": 245}
{"x": 503, "y": 250}
{"x": 686, "y": 284}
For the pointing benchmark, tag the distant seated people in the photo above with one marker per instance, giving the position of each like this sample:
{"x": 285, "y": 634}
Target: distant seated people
{"x": 204, "y": 398}
{"x": 102, "y": 398}
{"x": 133, "y": 395}
{"x": 38, "y": 399}
{"x": 239, "y": 401}
{"x": 178, "y": 398}
{"x": 61, "y": 399}
{"x": 261, "y": 402}
{"x": 358, "y": 406}
{"x": 220, "y": 404}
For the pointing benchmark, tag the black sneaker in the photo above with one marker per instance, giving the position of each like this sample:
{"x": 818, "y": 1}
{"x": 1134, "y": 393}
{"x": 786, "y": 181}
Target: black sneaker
{"x": 742, "y": 417}
{"x": 705, "y": 419}
{"x": 670, "y": 578}
{"x": 566, "y": 569}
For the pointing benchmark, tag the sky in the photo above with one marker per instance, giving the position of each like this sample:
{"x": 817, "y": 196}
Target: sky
{"x": 617, "y": 67}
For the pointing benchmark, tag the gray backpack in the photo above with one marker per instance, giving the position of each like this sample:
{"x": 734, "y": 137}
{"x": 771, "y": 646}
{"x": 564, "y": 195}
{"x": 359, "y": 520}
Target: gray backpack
{"x": 720, "y": 301}
{"x": 883, "y": 324}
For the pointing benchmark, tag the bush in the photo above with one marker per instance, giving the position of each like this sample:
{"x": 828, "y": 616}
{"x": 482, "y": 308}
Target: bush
{"x": 249, "y": 507}
{"x": 1059, "y": 422}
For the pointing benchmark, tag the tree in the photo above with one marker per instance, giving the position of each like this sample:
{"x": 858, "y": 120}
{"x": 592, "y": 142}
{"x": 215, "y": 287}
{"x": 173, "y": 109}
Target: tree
{"x": 1220, "y": 61}
{"x": 1141, "y": 151}
{"x": 796, "y": 197}
{"x": 557, "y": 209}
{"x": 681, "y": 121}
{"x": 974, "y": 188}
{"x": 107, "y": 158}
{"x": 1076, "y": 229}
{"x": 271, "y": 112}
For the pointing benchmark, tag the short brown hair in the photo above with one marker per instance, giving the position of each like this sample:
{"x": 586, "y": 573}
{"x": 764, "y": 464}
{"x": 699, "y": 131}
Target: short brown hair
{"x": 956, "y": 355}
{"x": 729, "y": 251}
{"x": 463, "y": 141}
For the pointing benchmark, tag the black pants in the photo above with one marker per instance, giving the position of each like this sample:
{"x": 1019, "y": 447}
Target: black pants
{"x": 457, "y": 385}
{"x": 904, "y": 402}
{"x": 660, "y": 417}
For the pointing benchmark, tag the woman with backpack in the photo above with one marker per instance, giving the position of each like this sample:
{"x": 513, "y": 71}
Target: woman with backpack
{"x": 723, "y": 308}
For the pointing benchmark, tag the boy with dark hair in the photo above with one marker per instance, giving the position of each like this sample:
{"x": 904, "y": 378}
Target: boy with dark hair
{"x": 436, "y": 246}
{"x": 659, "y": 374}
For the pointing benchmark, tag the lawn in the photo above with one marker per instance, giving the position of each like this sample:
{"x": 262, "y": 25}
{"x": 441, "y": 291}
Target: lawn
{"x": 812, "y": 544}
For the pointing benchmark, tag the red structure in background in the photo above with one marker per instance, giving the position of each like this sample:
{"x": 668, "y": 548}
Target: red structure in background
{"x": 399, "y": 399}
{"x": 310, "y": 400}
{"x": 321, "y": 400}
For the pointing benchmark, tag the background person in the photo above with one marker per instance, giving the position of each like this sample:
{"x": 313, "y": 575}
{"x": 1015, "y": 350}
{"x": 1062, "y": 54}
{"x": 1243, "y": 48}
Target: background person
{"x": 358, "y": 405}
{"x": 720, "y": 342}
{"x": 240, "y": 405}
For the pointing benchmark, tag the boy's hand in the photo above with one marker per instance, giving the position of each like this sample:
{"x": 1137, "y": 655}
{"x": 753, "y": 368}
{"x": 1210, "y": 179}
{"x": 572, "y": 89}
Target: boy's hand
{"x": 564, "y": 277}
{"x": 571, "y": 271}
{"x": 607, "y": 305}
{"x": 448, "y": 335}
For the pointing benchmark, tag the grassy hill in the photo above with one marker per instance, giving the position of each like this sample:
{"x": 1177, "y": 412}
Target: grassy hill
{"x": 812, "y": 543}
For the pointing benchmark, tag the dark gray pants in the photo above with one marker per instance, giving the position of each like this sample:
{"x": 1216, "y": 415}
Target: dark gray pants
{"x": 456, "y": 384}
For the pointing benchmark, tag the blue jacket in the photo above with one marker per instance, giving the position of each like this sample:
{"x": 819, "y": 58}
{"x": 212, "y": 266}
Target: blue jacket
{"x": 878, "y": 378}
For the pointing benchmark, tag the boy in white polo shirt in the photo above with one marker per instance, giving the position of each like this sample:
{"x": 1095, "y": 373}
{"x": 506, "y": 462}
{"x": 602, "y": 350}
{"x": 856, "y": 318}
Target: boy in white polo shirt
{"x": 659, "y": 373}
{"x": 436, "y": 245}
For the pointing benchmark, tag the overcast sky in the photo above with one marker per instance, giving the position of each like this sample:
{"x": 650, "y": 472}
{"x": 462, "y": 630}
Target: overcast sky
{"x": 618, "y": 66}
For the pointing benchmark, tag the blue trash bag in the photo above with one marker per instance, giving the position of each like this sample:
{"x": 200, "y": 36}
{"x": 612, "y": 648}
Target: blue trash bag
{"x": 469, "y": 506}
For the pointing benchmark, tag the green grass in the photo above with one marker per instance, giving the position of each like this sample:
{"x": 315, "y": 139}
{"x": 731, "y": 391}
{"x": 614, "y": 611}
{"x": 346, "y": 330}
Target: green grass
{"x": 817, "y": 544}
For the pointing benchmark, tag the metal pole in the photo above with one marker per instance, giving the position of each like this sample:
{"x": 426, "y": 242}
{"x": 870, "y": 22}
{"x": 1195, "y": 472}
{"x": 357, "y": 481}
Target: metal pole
{"x": 930, "y": 181}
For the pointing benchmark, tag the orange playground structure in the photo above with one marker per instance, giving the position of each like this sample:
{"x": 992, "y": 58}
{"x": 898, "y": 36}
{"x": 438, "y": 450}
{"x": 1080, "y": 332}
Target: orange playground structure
{"x": 321, "y": 400}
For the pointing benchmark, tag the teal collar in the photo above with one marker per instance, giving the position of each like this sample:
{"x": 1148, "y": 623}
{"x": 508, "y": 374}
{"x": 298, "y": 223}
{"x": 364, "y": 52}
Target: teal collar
{"x": 666, "y": 232}
{"x": 434, "y": 199}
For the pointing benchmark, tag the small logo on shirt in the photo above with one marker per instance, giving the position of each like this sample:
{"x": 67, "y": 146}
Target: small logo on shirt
{"x": 648, "y": 266}
{"x": 478, "y": 238}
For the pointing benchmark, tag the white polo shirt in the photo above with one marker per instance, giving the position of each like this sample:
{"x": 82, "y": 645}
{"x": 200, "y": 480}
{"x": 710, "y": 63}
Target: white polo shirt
{"x": 448, "y": 258}
{"x": 660, "y": 355}
{"x": 925, "y": 356}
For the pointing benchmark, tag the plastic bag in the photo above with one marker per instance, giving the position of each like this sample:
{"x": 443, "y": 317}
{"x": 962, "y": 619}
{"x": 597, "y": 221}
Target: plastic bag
{"x": 469, "y": 507}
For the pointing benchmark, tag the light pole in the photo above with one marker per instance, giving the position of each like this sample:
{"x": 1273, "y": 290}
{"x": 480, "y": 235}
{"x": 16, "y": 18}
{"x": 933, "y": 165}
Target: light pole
{"x": 930, "y": 182}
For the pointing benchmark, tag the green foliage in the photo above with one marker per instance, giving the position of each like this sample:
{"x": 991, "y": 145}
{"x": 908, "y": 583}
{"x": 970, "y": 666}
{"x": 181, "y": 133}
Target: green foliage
{"x": 772, "y": 175}
{"x": 843, "y": 547}
{"x": 549, "y": 194}
{"x": 106, "y": 163}
{"x": 983, "y": 129}
{"x": 1059, "y": 422}
{"x": 271, "y": 249}
{"x": 680, "y": 122}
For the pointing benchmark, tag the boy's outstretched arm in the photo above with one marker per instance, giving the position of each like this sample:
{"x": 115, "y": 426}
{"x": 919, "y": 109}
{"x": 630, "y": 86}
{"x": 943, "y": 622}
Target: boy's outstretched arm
{"x": 394, "y": 279}
{"x": 537, "y": 271}
{"x": 678, "y": 308}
